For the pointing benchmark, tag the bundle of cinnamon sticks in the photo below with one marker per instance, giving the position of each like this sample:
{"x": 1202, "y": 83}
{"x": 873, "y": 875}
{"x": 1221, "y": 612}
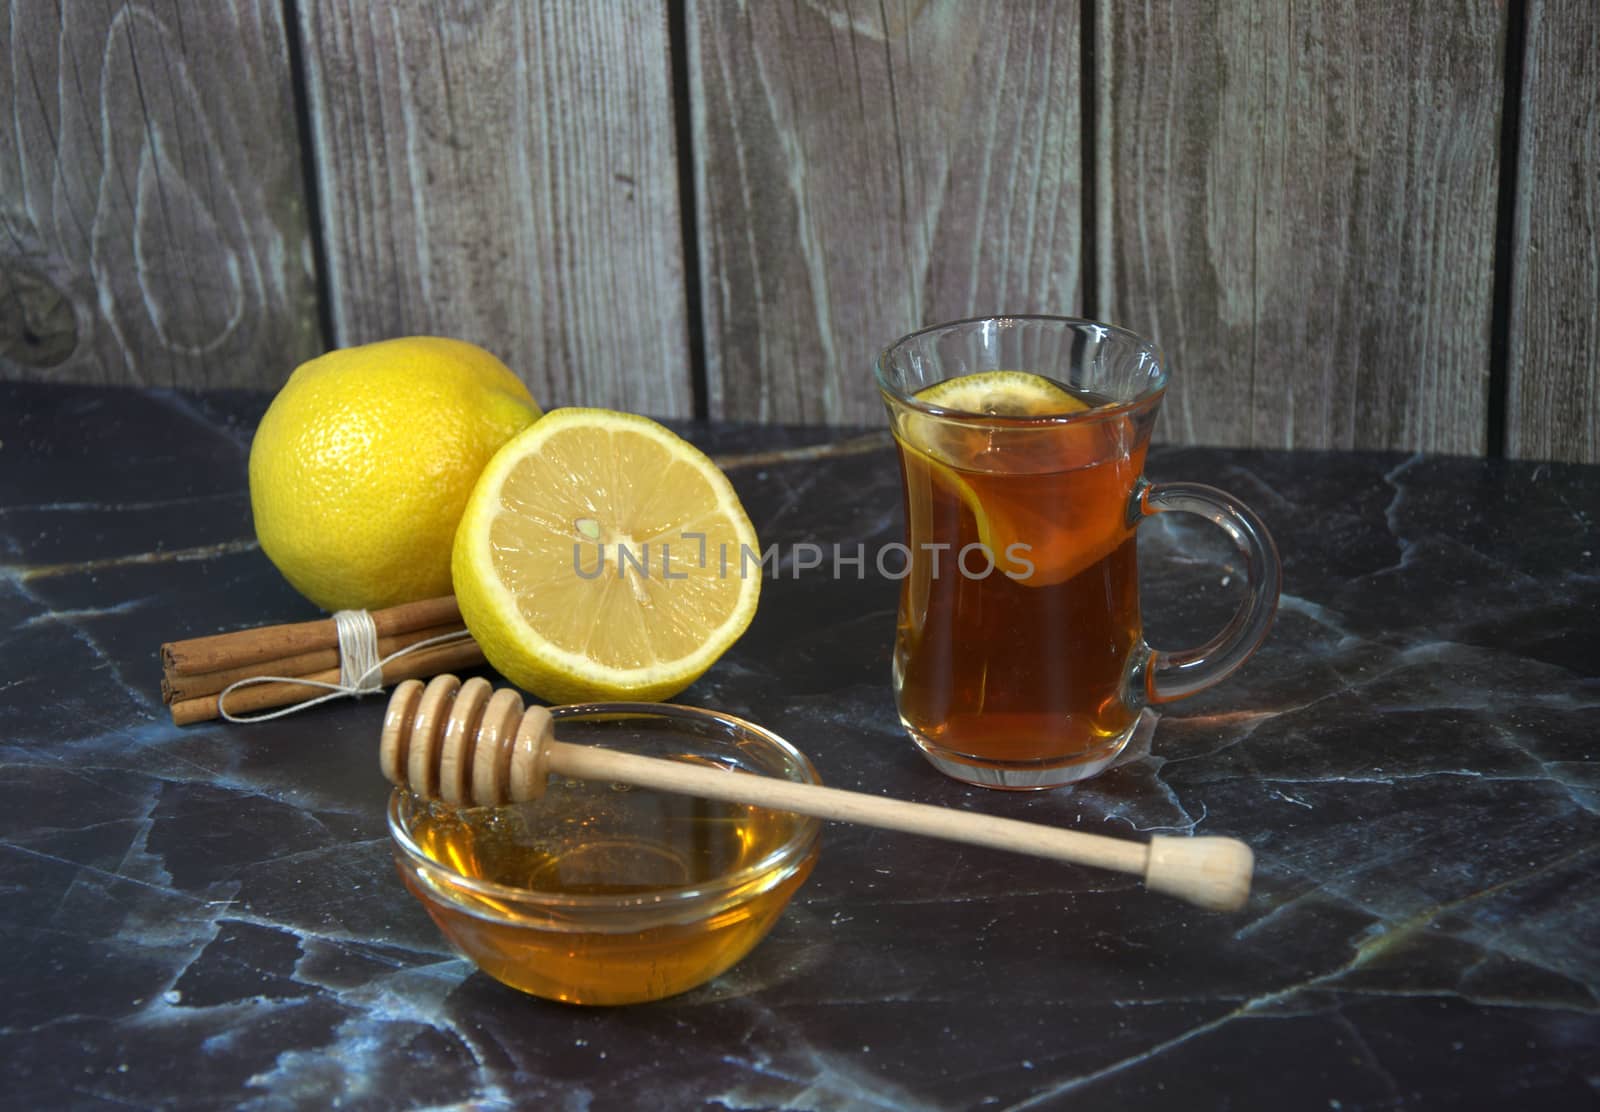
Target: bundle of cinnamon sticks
{"x": 196, "y": 671}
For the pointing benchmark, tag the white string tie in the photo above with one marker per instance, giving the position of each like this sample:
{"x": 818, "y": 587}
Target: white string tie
{"x": 359, "y": 666}
{"x": 360, "y": 669}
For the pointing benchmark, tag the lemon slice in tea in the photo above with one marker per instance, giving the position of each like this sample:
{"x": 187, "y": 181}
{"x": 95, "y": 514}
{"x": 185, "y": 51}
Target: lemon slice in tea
{"x": 1058, "y": 491}
{"x": 602, "y": 557}
{"x": 1003, "y": 394}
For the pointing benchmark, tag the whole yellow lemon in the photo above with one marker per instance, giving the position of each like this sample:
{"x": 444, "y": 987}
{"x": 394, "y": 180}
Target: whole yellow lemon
{"x": 363, "y": 463}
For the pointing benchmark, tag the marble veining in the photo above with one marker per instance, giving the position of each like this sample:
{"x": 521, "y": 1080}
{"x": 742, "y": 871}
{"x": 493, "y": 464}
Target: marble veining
{"x": 209, "y": 917}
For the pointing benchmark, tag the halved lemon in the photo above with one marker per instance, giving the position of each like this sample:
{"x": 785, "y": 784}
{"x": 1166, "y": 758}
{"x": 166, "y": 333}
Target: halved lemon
{"x": 603, "y": 557}
{"x": 1003, "y": 394}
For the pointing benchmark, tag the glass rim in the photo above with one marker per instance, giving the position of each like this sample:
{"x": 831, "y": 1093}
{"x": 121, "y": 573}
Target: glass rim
{"x": 1115, "y": 409}
{"x": 795, "y": 847}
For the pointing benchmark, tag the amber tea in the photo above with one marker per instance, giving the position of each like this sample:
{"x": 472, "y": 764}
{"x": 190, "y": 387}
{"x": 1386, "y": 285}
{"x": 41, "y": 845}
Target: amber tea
{"x": 1018, "y": 652}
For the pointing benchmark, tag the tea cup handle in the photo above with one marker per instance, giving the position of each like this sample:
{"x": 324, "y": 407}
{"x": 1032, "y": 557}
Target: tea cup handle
{"x": 1167, "y": 676}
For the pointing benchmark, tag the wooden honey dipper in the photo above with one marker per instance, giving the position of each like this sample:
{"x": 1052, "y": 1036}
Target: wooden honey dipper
{"x": 465, "y": 743}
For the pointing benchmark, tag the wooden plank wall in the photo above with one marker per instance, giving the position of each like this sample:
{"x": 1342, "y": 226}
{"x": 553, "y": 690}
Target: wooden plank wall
{"x": 152, "y": 224}
{"x": 506, "y": 174}
{"x": 865, "y": 169}
{"x": 1554, "y": 372}
{"x": 1298, "y": 203}
{"x": 1305, "y": 203}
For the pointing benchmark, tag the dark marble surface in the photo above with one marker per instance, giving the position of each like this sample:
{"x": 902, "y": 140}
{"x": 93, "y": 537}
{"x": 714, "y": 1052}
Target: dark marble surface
{"x": 208, "y": 917}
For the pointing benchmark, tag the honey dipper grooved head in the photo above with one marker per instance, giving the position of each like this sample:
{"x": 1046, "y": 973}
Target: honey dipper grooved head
{"x": 464, "y": 743}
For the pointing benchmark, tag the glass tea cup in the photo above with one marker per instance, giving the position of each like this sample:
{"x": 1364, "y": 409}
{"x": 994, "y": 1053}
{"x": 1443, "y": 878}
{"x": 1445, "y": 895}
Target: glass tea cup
{"x": 1019, "y": 658}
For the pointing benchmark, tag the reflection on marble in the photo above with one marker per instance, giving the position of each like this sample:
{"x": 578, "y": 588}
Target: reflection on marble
{"x": 209, "y": 916}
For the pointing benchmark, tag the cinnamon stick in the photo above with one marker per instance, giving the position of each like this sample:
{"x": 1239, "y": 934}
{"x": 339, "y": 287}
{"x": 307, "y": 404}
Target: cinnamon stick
{"x": 253, "y": 646}
{"x": 265, "y": 696}
{"x": 176, "y": 687}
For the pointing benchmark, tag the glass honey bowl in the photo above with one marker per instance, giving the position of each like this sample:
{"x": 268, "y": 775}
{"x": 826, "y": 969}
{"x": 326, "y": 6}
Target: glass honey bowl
{"x": 603, "y": 893}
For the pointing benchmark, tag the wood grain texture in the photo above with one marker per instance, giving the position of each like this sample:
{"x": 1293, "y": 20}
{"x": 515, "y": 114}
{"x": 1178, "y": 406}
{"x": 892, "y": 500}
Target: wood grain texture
{"x": 504, "y": 173}
{"x": 1553, "y": 409}
{"x": 152, "y": 219}
{"x": 865, "y": 168}
{"x": 1298, "y": 202}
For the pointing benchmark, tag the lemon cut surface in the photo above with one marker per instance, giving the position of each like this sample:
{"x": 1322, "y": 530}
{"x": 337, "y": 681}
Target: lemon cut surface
{"x": 603, "y": 557}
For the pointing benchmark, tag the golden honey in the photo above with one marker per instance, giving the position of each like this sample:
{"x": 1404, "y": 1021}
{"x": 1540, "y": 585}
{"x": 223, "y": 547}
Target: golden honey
{"x": 600, "y": 893}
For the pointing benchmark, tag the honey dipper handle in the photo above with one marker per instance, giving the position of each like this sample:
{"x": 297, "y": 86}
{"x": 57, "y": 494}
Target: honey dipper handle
{"x": 1210, "y": 872}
